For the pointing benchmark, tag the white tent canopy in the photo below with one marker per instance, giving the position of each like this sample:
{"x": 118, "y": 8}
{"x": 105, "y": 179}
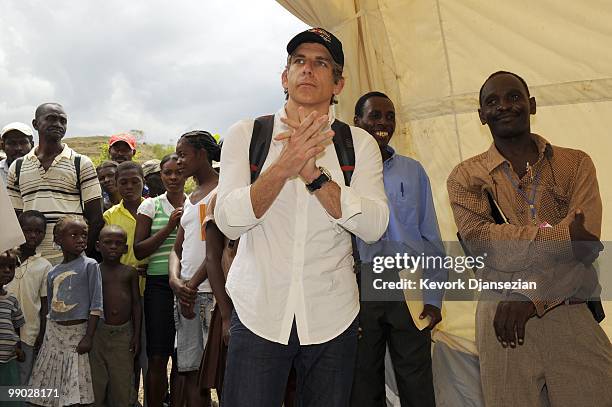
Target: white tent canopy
{"x": 431, "y": 57}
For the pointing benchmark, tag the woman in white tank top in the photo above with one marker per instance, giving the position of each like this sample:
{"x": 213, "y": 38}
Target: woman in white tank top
{"x": 196, "y": 151}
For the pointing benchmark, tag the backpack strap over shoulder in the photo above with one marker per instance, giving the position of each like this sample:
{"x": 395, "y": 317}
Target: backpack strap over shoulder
{"x": 345, "y": 149}
{"x": 260, "y": 144}
{"x": 18, "y": 164}
{"x": 261, "y": 138}
{"x": 77, "y": 169}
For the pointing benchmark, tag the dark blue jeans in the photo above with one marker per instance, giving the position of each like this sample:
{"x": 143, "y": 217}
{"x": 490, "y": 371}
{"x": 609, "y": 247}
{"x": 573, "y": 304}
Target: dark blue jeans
{"x": 257, "y": 369}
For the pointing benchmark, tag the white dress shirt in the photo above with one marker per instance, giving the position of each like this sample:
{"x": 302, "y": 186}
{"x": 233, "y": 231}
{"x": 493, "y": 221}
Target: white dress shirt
{"x": 296, "y": 260}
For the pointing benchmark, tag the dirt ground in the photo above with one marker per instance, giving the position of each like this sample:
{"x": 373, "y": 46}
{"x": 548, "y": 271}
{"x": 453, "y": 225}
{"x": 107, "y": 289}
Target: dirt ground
{"x": 215, "y": 399}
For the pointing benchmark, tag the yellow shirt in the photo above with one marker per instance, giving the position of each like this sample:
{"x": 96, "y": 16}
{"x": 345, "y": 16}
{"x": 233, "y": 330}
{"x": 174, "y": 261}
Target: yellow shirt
{"x": 118, "y": 215}
{"x": 29, "y": 286}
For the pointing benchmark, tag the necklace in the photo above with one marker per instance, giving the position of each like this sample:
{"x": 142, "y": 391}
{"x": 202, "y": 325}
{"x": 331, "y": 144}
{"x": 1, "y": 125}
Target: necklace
{"x": 19, "y": 277}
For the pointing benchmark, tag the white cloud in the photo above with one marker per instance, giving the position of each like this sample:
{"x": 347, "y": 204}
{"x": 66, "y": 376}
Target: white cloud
{"x": 161, "y": 66}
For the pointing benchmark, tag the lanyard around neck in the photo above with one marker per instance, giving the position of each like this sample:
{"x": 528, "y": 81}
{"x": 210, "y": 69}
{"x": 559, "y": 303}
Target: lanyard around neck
{"x": 530, "y": 200}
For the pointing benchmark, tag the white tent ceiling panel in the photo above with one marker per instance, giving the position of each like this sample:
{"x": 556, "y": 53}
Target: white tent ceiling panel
{"x": 545, "y": 41}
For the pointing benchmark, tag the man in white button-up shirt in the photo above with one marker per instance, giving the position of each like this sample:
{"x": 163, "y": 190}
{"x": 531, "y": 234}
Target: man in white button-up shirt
{"x": 292, "y": 281}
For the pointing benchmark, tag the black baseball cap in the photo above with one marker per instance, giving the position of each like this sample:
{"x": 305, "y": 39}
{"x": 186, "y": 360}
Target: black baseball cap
{"x": 320, "y": 36}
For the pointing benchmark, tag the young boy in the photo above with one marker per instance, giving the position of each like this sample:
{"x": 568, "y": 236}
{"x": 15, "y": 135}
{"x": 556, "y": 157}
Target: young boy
{"x": 30, "y": 288}
{"x": 11, "y": 320}
{"x": 117, "y": 338}
{"x": 130, "y": 182}
{"x": 106, "y": 175}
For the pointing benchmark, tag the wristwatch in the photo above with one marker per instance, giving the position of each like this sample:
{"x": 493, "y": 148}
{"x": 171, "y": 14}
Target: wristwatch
{"x": 320, "y": 180}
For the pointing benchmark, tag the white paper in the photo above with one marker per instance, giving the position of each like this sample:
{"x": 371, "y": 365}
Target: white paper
{"x": 11, "y": 234}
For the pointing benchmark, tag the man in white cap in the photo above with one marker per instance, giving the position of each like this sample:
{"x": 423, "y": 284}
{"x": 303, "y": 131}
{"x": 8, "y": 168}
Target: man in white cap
{"x": 17, "y": 141}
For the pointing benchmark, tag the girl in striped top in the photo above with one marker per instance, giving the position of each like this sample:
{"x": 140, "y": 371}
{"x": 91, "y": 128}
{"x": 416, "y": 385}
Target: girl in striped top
{"x": 156, "y": 226}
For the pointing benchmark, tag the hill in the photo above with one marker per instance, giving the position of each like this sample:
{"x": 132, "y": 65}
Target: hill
{"x": 96, "y": 147}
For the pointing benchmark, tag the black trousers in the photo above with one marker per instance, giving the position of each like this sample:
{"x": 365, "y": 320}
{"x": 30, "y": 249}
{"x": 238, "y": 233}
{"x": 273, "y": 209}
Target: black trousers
{"x": 390, "y": 323}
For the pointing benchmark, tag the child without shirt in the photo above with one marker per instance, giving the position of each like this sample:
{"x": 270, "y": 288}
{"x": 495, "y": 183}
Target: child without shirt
{"x": 117, "y": 338}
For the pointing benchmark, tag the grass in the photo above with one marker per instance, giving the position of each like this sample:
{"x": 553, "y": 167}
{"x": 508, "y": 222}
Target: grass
{"x": 96, "y": 148}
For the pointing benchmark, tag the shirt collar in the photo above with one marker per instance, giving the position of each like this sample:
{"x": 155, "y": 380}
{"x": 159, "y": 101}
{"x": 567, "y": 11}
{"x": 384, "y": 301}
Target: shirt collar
{"x": 66, "y": 153}
{"x": 391, "y": 151}
{"x": 31, "y": 155}
{"x": 33, "y": 257}
{"x": 121, "y": 202}
{"x": 164, "y": 197}
{"x": 123, "y": 208}
{"x": 495, "y": 158}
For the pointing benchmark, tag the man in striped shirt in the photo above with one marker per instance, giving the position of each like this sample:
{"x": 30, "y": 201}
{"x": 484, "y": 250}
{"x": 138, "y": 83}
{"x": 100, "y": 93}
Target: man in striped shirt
{"x": 47, "y": 180}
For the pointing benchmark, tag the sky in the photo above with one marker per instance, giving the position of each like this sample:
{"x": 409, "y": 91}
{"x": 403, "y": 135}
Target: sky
{"x": 160, "y": 66}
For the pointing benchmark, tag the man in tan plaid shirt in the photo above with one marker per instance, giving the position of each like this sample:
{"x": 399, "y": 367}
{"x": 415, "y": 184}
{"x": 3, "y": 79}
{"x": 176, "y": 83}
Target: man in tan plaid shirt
{"x": 542, "y": 346}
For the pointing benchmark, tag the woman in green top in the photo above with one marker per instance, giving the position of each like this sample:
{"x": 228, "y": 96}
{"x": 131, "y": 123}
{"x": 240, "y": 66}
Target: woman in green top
{"x": 156, "y": 227}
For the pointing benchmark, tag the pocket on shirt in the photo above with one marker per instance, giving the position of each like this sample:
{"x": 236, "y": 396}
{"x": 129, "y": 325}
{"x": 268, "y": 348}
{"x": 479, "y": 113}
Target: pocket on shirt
{"x": 402, "y": 206}
{"x": 560, "y": 201}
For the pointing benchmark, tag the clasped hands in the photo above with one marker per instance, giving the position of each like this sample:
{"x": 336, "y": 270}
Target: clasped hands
{"x": 585, "y": 245}
{"x": 186, "y": 294}
{"x": 305, "y": 139}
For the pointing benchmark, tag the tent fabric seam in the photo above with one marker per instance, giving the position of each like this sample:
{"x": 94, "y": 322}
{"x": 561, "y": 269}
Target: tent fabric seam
{"x": 450, "y": 76}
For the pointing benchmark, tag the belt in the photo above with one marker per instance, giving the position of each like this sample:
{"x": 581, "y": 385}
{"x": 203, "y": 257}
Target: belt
{"x": 568, "y": 301}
